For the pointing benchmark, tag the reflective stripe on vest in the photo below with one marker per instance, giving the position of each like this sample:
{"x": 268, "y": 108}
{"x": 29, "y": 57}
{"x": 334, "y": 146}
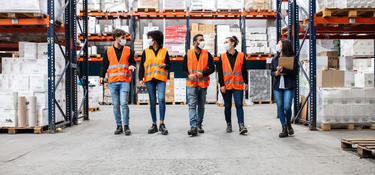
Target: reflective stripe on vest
{"x": 151, "y": 65}
{"x": 118, "y": 70}
{"x": 233, "y": 78}
{"x": 194, "y": 66}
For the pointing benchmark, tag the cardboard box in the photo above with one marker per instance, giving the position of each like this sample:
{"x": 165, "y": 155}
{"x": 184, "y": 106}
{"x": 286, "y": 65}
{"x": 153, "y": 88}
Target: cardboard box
{"x": 330, "y": 78}
{"x": 169, "y": 90}
{"x": 329, "y": 54}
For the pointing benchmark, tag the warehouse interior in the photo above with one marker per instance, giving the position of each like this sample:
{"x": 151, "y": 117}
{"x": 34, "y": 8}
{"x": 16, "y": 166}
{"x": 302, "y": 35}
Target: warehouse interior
{"x": 57, "y": 118}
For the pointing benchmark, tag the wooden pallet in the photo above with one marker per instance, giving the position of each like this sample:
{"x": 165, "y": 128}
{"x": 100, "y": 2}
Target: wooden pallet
{"x": 94, "y": 109}
{"x": 94, "y": 56}
{"x": 347, "y": 126}
{"x": 229, "y": 10}
{"x": 179, "y": 103}
{"x": 365, "y": 146}
{"x": 174, "y": 10}
{"x": 347, "y": 12}
{"x": 14, "y": 130}
{"x": 143, "y": 103}
{"x": 15, "y": 15}
{"x": 263, "y": 102}
{"x": 260, "y": 10}
{"x": 92, "y": 10}
{"x": 201, "y": 10}
{"x": 259, "y": 55}
{"x": 222, "y": 104}
{"x": 146, "y": 10}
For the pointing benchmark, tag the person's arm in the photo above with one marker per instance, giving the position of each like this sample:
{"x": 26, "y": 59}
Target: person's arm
{"x": 141, "y": 71}
{"x": 185, "y": 67}
{"x": 167, "y": 62}
{"x": 211, "y": 66}
{"x": 291, "y": 72}
{"x": 220, "y": 72}
{"x": 244, "y": 72}
{"x": 104, "y": 66}
{"x": 131, "y": 59}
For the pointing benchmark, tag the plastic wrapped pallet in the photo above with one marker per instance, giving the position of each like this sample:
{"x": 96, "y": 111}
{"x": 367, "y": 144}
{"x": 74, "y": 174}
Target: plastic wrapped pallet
{"x": 364, "y": 79}
{"x": 148, "y": 4}
{"x": 260, "y": 85}
{"x": 257, "y": 4}
{"x": 173, "y": 4}
{"x": 115, "y": 5}
{"x": 357, "y": 48}
{"x": 365, "y": 65}
{"x": 175, "y": 40}
{"x": 199, "y": 5}
{"x": 211, "y": 96}
{"x": 142, "y": 94}
{"x": 230, "y": 4}
{"x": 8, "y": 118}
{"x": 180, "y": 90}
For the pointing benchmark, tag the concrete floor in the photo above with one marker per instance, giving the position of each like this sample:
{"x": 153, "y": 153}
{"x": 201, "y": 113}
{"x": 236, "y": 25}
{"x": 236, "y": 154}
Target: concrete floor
{"x": 91, "y": 147}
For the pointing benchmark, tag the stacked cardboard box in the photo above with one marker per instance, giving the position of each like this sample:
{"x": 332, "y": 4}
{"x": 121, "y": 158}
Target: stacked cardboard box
{"x": 138, "y": 47}
{"x": 209, "y": 35}
{"x": 224, "y": 31}
{"x": 169, "y": 90}
{"x": 206, "y": 5}
{"x": 329, "y": 59}
{"x": 330, "y": 78}
{"x": 180, "y": 90}
{"x": 230, "y": 4}
{"x": 257, "y": 38}
{"x": 175, "y": 40}
{"x": 346, "y": 105}
{"x": 115, "y": 5}
{"x": 148, "y": 4}
{"x": 173, "y": 4}
{"x": 27, "y": 77}
{"x": 260, "y": 85}
{"x": 257, "y": 4}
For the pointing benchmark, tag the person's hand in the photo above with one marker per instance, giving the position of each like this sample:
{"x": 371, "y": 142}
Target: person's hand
{"x": 222, "y": 89}
{"x": 246, "y": 87}
{"x": 101, "y": 80}
{"x": 162, "y": 66}
{"x": 279, "y": 68}
{"x": 192, "y": 76}
{"x": 141, "y": 83}
{"x": 277, "y": 73}
{"x": 132, "y": 68}
{"x": 200, "y": 74}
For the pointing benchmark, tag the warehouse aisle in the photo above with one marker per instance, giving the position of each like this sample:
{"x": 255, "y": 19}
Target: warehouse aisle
{"x": 91, "y": 148}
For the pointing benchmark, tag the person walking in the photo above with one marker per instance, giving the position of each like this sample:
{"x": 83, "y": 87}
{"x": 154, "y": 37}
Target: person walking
{"x": 153, "y": 72}
{"x": 198, "y": 65}
{"x": 118, "y": 63}
{"x": 233, "y": 80}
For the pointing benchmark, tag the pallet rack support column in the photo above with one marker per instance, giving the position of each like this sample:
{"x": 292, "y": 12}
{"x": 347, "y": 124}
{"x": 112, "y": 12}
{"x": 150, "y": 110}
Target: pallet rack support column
{"x": 187, "y": 42}
{"x": 290, "y": 19}
{"x": 278, "y": 20}
{"x": 312, "y": 55}
{"x": 133, "y": 86}
{"x": 295, "y": 42}
{"x": 51, "y": 66}
{"x": 243, "y": 32}
{"x": 85, "y": 71}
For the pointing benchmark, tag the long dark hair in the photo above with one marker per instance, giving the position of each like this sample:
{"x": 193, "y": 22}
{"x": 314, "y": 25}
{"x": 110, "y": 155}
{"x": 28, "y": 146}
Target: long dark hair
{"x": 287, "y": 49}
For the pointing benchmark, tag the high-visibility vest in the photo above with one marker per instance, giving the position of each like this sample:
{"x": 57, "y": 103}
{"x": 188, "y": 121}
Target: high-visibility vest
{"x": 233, "y": 77}
{"x": 151, "y": 65}
{"x": 118, "y": 70}
{"x": 195, "y": 66}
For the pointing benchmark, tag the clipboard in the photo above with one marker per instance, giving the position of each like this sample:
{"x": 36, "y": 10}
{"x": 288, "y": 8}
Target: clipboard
{"x": 287, "y": 62}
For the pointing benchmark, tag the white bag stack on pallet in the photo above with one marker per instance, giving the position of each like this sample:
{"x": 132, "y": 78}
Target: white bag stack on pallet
{"x": 173, "y": 4}
{"x": 148, "y": 4}
{"x": 260, "y": 85}
{"x": 357, "y": 48}
{"x": 257, "y": 4}
{"x": 224, "y": 31}
{"x": 28, "y": 76}
{"x": 257, "y": 38}
{"x": 230, "y": 4}
{"x": 211, "y": 96}
{"x": 346, "y": 105}
{"x": 180, "y": 90}
{"x": 115, "y": 5}
{"x": 199, "y": 5}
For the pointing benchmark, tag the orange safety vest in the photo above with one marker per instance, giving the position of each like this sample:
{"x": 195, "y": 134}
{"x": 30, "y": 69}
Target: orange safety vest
{"x": 152, "y": 63}
{"x": 195, "y": 66}
{"x": 233, "y": 78}
{"x": 118, "y": 70}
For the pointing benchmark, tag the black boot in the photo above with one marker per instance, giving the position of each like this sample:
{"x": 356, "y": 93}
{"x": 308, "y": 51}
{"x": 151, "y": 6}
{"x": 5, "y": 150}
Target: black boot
{"x": 284, "y": 132}
{"x": 127, "y": 130}
{"x": 193, "y": 131}
{"x": 290, "y": 129}
{"x": 229, "y": 127}
{"x": 200, "y": 129}
{"x": 153, "y": 129}
{"x": 118, "y": 130}
{"x": 242, "y": 128}
{"x": 163, "y": 129}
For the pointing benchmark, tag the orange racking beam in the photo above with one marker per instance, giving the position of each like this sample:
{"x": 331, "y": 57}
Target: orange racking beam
{"x": 25, "y": 22}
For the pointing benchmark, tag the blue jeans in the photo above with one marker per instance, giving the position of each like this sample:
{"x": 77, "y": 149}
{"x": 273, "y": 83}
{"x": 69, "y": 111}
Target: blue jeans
{"x": 238, "y": 101}
{"x": 284, "y": 98}
{"x": 120, "y": 94}
{"x": 151, "y": 88}
{"x": 196, "y": 97}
